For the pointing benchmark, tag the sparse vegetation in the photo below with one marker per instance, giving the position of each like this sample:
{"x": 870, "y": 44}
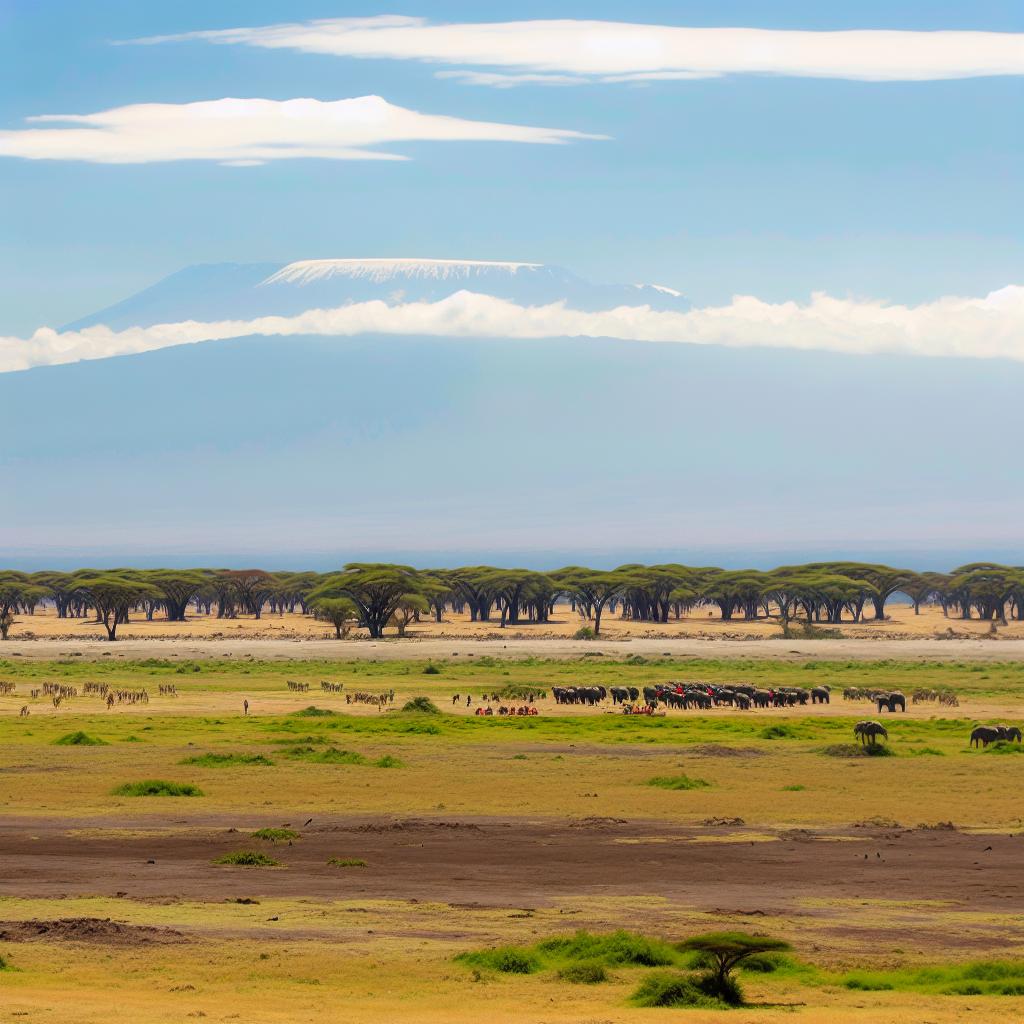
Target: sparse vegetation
{"x": 79, "y": 739}
{"x": 228, "y": 760}
{"x": 346, "y": 862}
{"x": 421, "y": 706}
{"x": 677, "y": 782}
{"x": 157, "y": 787}
{"x": 247, "y": 859}
{"x": 275, "y": 835}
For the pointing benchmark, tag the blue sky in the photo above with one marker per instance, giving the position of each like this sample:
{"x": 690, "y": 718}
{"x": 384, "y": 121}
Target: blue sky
{"x": 773, "y": 186}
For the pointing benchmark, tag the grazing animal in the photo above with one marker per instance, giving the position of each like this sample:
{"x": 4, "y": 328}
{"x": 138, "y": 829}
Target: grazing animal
{"x": 820, "y": 695}
{"x": 983, "y": 735}
{"x": 869, "y": 732}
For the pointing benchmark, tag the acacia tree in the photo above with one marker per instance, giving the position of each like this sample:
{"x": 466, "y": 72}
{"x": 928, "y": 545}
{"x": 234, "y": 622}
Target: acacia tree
{"x": 113, "y": 597}
{"x": 724, "y": 950}
{"x": 177, "y": 588}
{"x": 17, "y": 593}
{"x": 593, "y": 589}
{"x": 409, "y": 607}
{"x": 252, "y": 587}
{"x": 340, "y": 612}
{"x": 375, "y": 589}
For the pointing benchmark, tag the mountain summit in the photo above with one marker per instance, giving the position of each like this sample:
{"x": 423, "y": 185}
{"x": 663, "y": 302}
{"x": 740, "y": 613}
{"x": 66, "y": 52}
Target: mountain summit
{"x": 244, "y": 291}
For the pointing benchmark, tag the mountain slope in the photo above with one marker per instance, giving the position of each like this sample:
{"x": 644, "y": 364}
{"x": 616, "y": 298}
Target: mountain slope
{"x": 238, "y": 291}
{"x": 380, "y": 444}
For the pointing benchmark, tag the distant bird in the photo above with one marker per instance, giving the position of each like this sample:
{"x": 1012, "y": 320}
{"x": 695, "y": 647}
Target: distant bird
{"x": 987, "y": 848}
{"x": 310, "y": 822}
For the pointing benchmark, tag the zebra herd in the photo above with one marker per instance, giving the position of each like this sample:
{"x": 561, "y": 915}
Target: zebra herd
{"x": 61, "y": 692}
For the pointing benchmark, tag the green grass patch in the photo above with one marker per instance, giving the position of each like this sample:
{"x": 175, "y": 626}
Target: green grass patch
{"x": 677, "y": 782}
{"x": 157, "y": 787}
{"x": 779, "y": 732}
{"x": 346, "y": 862}
{"x": 430, "y": 669}
{"x": 583, "y": 974}
{"x": 793, "y": 789}
{"x": 79, "y": 739}
{"x": 504, "y": 959}
{"x": 228, "y": 760}
{"x": 275, "y": 835}
{"x": 328, "y": 755}
{"x": 387, "y": 761}
{"x": 671, "y": 989}
{"x": 1004, "y": 747}
{"x": 612, "y": 949}
{"x": 247, "y": 859}
{"x": 314, "y": 712}
{"x": 858, "y": 750}
{"x": 421, "y": 706}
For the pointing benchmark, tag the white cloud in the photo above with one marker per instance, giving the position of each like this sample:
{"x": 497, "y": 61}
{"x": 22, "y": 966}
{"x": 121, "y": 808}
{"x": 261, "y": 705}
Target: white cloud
{"x": 988, "y": 327}
{"x": 622, "y": 52}
{"x": 248, "y": 132}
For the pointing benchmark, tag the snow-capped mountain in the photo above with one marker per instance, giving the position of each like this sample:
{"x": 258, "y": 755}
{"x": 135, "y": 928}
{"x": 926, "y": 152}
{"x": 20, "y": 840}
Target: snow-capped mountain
{"x": 243, "y": 291}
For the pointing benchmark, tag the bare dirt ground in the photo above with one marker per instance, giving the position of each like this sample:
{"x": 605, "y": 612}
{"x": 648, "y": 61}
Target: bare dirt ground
{"x": 393, "y": 649}
{"x": 703, "y": 624}
{"x": 483, "y": 863}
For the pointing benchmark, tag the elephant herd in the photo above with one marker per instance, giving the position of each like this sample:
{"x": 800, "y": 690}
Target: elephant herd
{"x": 883, "y": 699}
{"x": 983, "y": 735}
{"x": 685, "y": 696}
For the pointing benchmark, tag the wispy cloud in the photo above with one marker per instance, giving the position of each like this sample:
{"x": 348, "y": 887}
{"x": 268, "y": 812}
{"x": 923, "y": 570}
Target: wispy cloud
{"x": 988, "y": 327}
{"x": 248, "y": 132}
{"x": 559, "y": 51}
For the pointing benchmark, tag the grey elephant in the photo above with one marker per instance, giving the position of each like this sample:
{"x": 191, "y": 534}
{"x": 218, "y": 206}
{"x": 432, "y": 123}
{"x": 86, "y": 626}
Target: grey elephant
{"x": 983, "y": 735}
{"x": 870, "y": 732}
{"x": 820, "y": 695}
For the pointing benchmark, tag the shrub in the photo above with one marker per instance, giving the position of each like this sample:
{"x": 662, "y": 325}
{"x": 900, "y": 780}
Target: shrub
{"x": 421, "y": 706}
{"x": 856, "y": 750}
{"x": 925, "y": 752}
{"x": 79, "y": 739}
{"x": 313, "y": 712}
{"x": 620, "y": 947}
{"x": 677, "y": 782}
{"x": 1004, "y": 747}
{"x": 227, "y": 760}
{"x": 330, "y": 755}
{"x": 670, "y": 989}
{"x": 778, "y": 732}
{"x": 157, "y": 787}
{"x": 247, "y": 859}
{"x": 387, "y": 761}
{"x": 583, "y": 974}
{"x": 793, "y": 789}
{"x": 505, "y": 959}
{"x": 430, "y": 669}
{"x": 584, "y": 633}
{"x": 346, "y": 862}
{"x": 275, "y": 835}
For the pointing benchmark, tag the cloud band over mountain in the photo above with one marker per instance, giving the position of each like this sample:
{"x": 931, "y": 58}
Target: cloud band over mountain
{"x": 566, "y": 51}
{"x": 988, "y": 327}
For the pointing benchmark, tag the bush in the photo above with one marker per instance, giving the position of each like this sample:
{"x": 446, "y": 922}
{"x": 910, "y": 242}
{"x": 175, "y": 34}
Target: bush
{"x": 247, "y": 859}
{"x": 677, "y": 782}
{"x": 79, "y": 739}
{"x": 1004, "y": 747}
{"x": 584, "y": 633}
{"x": 421, "y": 706}
{"x": 346, "y": 862}
{"x": 275, "y": 835}
{"x": 778, "y": 732}
{"x": 856, "y": 750}
{"x": 505, "y": 959}
{"x": 330, "y": 755}
{"x": 431, "y": 669}
{"x": 387, "y": 761}
{"x": 313, "y": 712}
{"x": 620, "y": 947}
{"x": 583, "y": 974}
{"x": 227, "y": 760}
{"x": 669, "y": 989}
{"x": 157, "y": 787}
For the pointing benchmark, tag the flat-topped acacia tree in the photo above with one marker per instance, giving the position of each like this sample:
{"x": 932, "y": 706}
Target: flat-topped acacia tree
{"x": 375, "y": 589}
{"x": 113, "y": 597}
{"x": 17, "y": 593}
{"x": 725, "y": 950}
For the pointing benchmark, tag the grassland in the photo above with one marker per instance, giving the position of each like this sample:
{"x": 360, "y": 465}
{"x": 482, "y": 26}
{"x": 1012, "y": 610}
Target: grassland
{"x": 398, "y": 841}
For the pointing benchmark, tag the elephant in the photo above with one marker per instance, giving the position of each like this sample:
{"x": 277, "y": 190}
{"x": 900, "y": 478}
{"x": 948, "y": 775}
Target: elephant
{"x": 619, "y": 694}
{"x": 869, "y": 732}
{"x": 634, "y": 693}
{"x": 651, "y": 695}
{"x": 742, "y": 701}
{"x": 983, "y": 735}
{"x": 820, "y": 695}
{"x": 1013, "y": 733}
{"x": 761, "y": 698}
{"x": 890, "y": 702}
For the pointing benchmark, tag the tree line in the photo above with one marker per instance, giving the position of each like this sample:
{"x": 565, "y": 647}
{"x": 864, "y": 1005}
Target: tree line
{"x": 376, "y": 596}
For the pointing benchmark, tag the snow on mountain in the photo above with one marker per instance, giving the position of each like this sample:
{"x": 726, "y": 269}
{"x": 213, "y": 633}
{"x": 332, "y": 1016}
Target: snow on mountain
{"x": 240, "y": 291}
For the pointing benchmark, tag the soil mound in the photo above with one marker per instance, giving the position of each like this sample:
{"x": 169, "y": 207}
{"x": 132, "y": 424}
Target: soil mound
{"x": 87, "y": 929}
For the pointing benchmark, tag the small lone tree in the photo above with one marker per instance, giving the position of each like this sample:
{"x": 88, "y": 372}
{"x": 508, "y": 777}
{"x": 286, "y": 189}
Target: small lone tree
{"x": 725, "y": 950}
{"x": 340, "y": 612}
{"x": 113, "y": 597}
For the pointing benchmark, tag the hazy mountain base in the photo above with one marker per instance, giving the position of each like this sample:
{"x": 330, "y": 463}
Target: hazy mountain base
{"x": 378, "y": 443}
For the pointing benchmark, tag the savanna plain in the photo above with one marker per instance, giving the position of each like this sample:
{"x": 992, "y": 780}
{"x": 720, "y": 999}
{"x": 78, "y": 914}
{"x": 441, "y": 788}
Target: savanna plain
{"x": 238, "y": 847}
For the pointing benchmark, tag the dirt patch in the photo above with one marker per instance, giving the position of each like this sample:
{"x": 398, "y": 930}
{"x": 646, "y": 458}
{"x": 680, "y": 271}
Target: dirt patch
{"x": 596, "y": 822}
{"x": 87, "y": 929}
{"x": 716, "y": 750}
{"x": 723, "y": 822}
{"x": 415, "y": 825}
